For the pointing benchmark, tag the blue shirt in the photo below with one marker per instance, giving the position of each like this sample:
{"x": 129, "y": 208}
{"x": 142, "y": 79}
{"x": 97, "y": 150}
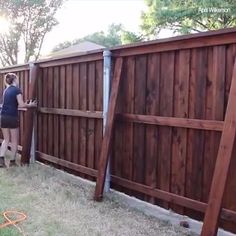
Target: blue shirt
{"x": 10, "y": 104}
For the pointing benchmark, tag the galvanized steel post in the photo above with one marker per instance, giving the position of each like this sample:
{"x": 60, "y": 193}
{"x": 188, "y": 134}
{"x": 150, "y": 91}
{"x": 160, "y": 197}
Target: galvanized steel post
{"x": 106, "y": 95}
{"x": 33, "y": 141}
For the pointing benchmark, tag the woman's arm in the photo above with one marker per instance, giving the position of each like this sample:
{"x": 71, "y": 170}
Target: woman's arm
{"x": 22, "y": 104}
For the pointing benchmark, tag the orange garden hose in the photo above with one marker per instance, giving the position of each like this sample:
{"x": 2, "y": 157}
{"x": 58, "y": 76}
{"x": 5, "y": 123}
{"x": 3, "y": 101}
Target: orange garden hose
{"x": 20, "y": 217}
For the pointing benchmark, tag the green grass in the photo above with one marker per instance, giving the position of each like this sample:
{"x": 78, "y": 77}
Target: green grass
{"x": 8, "y": 193}
{"x": 58, "y": 204}
{"x": 17, "y": 195}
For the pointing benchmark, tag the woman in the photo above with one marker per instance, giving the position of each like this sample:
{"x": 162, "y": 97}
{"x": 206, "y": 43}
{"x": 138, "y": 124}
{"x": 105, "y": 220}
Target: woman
{"x": 9, "y": 118}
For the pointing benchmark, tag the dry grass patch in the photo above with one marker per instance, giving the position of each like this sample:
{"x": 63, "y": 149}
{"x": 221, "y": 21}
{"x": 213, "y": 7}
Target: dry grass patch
{"x": 58, "y": 204}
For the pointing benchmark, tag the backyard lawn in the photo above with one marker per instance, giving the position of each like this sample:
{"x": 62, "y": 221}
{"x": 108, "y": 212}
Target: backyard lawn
{"x": 57, "y": 204}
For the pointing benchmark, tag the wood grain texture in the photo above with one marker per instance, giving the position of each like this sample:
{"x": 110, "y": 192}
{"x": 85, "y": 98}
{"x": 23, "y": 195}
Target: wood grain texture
{"x": 152, "y": 108}
{"x": 129, "y": 107}
{"x": 62, "y": 105}
{"x": 56, "y": 89}
{"x": 50, "y": 105}
{"x": 26, "y": 143}
{"x": 210, "y": 225}
{"x": 83, "y": 121}
{"x": 171, "y": 197}
{"x": 71, "y": 112}
{"x": 229, "y": 200}
{"x": 98, "y": 107}
{"x": 75, "y": 122}
{"x": 195, "y": 150}
{"x": 214, "y": 110}
{"x": 139, "y": 129}
{"x": 179, "y": 144}
{"x": 67, "y": 164}
{"x": 40, "y": 116}
{"x": 91, "y": 122}
{"x": 165, "y": 133}
{"x": 68, "y": 119}
{"x": 199, "y": 124}
{"x": 106, "y": 143}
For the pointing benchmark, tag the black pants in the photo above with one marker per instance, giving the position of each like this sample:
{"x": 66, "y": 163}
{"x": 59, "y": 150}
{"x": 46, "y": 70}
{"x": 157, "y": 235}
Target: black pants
{"x": 10, "y": 122}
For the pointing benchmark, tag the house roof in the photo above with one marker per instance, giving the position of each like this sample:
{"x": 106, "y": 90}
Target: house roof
{"x": 85, "y": 46}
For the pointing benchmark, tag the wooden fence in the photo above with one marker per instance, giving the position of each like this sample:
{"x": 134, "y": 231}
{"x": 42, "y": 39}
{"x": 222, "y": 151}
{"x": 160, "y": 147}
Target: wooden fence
{"x": 70, "y": 98}
{"x": 156, "y": 88}
{"x": 153, "y": 148}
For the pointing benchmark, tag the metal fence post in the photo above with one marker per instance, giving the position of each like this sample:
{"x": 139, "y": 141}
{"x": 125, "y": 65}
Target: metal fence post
{"x": 106, "y": 95}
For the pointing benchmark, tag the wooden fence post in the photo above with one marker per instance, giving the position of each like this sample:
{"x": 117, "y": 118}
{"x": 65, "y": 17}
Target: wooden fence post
{"x": 106, "y": 142}
{"x": 210, "y": 225}
{"x": 27, "y": 140}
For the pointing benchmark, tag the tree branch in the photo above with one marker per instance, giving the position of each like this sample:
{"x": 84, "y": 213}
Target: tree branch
{"x": 40, "y": 46}
{"x": 191, "y": 28}
{"x": 8, "y": 51}
{"x": 200, "y": 23}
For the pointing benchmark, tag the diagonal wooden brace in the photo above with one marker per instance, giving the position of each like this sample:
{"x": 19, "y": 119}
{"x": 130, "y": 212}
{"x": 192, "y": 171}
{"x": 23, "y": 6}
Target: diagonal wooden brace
{"x": 106, "y": 143}
{"x": 210, "y": 225}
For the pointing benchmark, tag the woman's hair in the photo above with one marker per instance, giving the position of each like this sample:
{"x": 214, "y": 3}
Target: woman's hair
{"x": 10, "y": 78}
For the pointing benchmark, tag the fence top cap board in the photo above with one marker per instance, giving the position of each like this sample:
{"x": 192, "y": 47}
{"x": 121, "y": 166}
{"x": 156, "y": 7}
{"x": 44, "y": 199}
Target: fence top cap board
{"x": 12, "y": 68}
{"x": 71, "y": 55}
{"x": 177, "y": 38}
{"x": 18, "y": 67}
{"x": 95, "y": 54}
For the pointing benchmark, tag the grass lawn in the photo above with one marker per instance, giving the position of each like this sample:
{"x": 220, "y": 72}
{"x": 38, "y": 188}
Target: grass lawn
{"x": 58, "y": 204}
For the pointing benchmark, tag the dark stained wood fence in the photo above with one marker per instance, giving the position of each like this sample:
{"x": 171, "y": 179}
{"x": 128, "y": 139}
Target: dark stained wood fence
{"x": 154, "y": 146}
{"x": 70, "y": 95}
{"x": 187, "y": 79}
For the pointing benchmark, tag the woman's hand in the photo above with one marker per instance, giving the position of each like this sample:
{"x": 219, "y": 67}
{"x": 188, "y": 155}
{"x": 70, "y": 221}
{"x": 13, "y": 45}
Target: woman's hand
{"x": 32, "y": 103}
{"x": 29, "y": 104}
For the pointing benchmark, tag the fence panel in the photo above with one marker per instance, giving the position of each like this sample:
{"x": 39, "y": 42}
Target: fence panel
{"x": 70, "y": 111}
{"x": 184, "y": 77}
{"x": 183, "y": 83}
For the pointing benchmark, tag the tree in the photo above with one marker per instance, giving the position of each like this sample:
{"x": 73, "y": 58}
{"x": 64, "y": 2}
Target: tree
{"x": 116, "y": 35}
{"x": 187, "y": 16}
{"x": 130, "y": 37}
{"x": 30, "y": 21}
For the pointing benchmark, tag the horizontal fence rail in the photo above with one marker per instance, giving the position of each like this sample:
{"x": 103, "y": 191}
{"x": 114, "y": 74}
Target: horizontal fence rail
{"x": 71, "y": 112}
{"x": 172, "y": 122}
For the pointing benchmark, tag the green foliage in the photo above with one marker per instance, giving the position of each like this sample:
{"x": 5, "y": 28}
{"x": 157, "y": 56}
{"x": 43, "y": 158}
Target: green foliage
{"x": 187, "y": 16}
{"x": 109, "y": 39}
{"x": 116, "y": 35}
{"x": 130, "y": 37}
{"x": 30, "y": 21}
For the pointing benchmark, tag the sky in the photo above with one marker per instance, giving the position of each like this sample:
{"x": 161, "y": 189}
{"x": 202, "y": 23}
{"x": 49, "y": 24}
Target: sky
{"x": 78, "y": 18}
